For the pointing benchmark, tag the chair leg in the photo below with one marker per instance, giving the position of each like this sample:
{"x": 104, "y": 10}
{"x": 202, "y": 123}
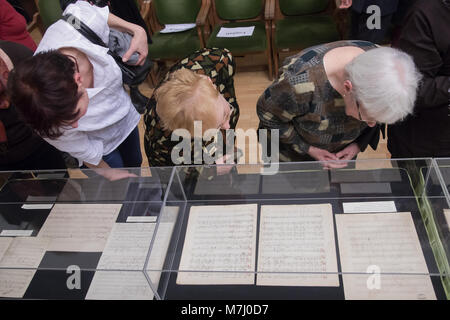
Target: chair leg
{"x": 275, "y": 60}
{"x": 269, "y": 63}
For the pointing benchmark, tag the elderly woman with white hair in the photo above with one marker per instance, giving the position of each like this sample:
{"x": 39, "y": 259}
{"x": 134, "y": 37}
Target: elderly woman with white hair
{"x": 330, "y": 100}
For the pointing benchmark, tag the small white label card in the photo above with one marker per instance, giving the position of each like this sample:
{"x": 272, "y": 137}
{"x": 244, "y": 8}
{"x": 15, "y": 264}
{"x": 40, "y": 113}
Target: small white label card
{"x": 143, "y": 219}
{"x": 369, "y": 207}
{"x": 170, "y": 28}
{"x": 16, "y": 233}
{"x": 37, "y": 206}
{"x": 236, "y": 32}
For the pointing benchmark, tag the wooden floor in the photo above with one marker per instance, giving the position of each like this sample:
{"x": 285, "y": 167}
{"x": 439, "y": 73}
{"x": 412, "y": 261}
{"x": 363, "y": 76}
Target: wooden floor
{"x": 251, "y": 80}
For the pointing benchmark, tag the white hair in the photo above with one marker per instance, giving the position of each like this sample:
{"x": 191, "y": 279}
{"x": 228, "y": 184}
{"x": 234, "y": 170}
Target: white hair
{"x": 385, "y": 82}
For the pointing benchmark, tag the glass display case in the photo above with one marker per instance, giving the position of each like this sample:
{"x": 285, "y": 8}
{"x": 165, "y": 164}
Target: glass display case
{"x": 304, "y": 233}
{"x": 436, "y": 210}
{"x": 77, "y": 235}
{"x": 443, "y": 165}
{"x": 375, "y": 229}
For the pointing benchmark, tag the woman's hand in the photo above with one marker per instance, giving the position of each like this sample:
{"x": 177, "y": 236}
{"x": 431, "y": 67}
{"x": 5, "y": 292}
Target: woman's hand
{"x": 349, "y": 152}
{"x": 343, "y": 4}
{"x": 138, "y": 43}
{"x": 324, "y": 155}
{"x": 117, "y": 174}
{"x": 109, "y": 173}
{"x": 224, "y": 169}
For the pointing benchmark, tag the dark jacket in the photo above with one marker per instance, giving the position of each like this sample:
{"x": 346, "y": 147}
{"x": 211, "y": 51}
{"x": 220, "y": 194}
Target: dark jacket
{"x": 17, "y": 140}
{"x": 426, "y": 37}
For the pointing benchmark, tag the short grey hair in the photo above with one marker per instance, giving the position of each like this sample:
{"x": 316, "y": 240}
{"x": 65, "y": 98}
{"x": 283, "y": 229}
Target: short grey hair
{"x": 385, "y": 82}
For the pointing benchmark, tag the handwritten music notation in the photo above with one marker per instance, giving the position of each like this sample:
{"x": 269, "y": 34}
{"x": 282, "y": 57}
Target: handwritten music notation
{"x": 388, "y": 242}
{"x": 297, "y": 239}
{"x": 219, "y": 238}
{"x": 18, "y": 253}
{"x": 79, "y": 227}
{"x": 127, "y": 246}
{"x": 119, "y": 285}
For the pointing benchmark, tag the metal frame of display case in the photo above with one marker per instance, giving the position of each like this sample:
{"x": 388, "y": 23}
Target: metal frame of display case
{"x": 199, "y": 185}
{"x": 438, "y": 233}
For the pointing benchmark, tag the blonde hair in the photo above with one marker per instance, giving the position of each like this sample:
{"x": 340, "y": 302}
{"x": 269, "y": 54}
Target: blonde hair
{"x": 184, "y": 98}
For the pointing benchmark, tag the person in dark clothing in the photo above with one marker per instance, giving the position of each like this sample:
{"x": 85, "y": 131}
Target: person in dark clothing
{"x": 360, "y": 17}
{"x": 426, "y": 37}
{"x": 398, "y": 18}
{"x": 127, "y": 10}
{"x": 13, "y": 26}
{"x": 20, "y": 9}
{"x": 20, "y": 147}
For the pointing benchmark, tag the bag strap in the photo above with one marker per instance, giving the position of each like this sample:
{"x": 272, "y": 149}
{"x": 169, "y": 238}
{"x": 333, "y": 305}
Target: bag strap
{"x": 82, "y": 28}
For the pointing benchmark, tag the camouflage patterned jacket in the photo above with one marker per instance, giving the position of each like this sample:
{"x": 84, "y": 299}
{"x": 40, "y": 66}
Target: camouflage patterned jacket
{"x": 308, "y": 111}
{"x": 219, "y": 65}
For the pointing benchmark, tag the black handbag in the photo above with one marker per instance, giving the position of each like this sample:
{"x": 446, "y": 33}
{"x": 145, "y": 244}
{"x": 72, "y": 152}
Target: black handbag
{"x": 131, "y": 75}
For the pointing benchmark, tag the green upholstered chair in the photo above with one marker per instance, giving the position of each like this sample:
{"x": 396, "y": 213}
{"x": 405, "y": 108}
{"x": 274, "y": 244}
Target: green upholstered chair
{"x": 49, "y": 12}
{"x": 243, "y": 13}
{"x": 171, "y": 46}
{"x": 300, "y": 24}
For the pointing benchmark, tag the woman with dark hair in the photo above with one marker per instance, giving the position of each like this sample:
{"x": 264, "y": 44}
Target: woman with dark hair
{"x": 71, "y": 92}
{"x": 20, "y": 147}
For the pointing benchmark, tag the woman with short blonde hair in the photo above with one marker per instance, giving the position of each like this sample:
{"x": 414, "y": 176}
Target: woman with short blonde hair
{"x": 197, "y": 88}
{"x": 187, "y": 97}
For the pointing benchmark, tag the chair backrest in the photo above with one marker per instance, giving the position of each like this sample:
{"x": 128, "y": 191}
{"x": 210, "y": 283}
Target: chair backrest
{"x": 239, "y": 9}
{"x": 50, "y": 11}
{"x": 177, "y": 11}
{"x": 300, "y": 7}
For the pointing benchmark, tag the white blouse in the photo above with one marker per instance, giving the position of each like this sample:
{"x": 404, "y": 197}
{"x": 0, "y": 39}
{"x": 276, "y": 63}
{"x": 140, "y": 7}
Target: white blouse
{"x": 110, "y": 116}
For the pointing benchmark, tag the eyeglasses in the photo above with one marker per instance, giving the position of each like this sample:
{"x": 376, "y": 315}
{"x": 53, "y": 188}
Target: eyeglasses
{"x": 360, "y": 117}
{"x": 359, "y": 111}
